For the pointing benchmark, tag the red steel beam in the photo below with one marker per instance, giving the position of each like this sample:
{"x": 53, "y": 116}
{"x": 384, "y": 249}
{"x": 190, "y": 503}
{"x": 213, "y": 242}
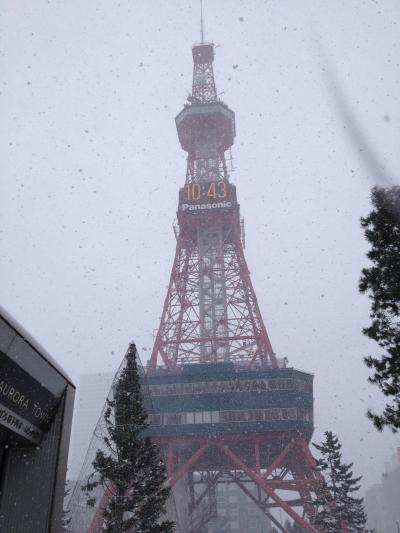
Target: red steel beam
{"x": 277, "y": 461}
{"x": 261, "y": 505}
{"x": 261, "y": 482}
{"x": 186, "y": 466}
{"x": 292, "y": 484}
{"x": 257, "y": 455}
{"x": 97, "y": 521}
{"x": 196, "y": 340}
{"x": 308, "y": 455}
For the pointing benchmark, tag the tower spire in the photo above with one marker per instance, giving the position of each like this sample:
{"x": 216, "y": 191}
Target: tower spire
{"x": 211, "y": 313}
{"x": 201, "y": 22}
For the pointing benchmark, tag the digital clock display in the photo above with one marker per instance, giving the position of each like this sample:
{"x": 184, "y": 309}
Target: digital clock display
{"x": 206, "y": 191}
{"x": 206, "y": 196}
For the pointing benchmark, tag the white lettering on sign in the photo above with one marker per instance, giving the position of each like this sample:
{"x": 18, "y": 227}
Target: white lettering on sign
{"x": 10, "y": 420}
{"x": 13, "y": 394}
{"x": 19, "y": 425}
{"x": 200, "y": 207}
{"x": 40, "y": 413}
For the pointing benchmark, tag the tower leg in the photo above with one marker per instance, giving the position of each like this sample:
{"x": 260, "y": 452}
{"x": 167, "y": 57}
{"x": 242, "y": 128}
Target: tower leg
{"x": 292, "y": 469}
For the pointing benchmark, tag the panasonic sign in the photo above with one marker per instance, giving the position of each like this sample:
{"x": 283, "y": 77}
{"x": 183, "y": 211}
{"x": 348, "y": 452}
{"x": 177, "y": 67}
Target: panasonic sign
{"x": 201, "y": 207}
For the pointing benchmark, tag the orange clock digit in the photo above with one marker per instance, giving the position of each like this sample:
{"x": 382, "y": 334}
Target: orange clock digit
{"x": 222, "y": 189}
{"x": 196, "y": 191}
{"x": 212, "y": 193}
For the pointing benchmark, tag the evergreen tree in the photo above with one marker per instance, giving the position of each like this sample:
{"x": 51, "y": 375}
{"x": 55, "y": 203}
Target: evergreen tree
{"x": 132, "y": 470}
{"x": 382, "y": 282}
{"x": 337, "y": 508}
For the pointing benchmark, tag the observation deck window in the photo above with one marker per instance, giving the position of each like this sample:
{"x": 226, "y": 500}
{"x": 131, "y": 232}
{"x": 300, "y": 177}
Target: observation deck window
{"x": 215, "y": 417}
{"x": 207, "y": 417}
{"x": 234, "y": 385}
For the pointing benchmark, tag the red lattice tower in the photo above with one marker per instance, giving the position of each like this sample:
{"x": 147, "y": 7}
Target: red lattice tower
{"x": 222, "y": 409}
{"x": 211, "y": 312}
{"x": 210, "y": 318}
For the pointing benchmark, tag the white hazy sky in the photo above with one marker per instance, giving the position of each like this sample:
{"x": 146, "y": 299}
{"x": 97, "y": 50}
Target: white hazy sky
{"x": 91, "y": 166}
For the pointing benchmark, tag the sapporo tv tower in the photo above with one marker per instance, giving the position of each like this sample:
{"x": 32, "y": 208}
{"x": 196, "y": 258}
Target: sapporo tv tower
{"x": 223, "y": 409}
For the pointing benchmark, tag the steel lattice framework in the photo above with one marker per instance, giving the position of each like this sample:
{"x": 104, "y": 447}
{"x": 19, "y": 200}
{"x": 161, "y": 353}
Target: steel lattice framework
{"x": 211, "y": 318}
{"x": 235, "y": 330}
{"x": 211, "y": 314}
{"x": 244, "y": 459}
{"x": 210, "y": 311}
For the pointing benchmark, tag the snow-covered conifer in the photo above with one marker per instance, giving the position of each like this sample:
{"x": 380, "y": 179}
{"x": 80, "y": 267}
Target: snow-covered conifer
{"x": 132, "y": 470}
{"x": 339, "y": 510}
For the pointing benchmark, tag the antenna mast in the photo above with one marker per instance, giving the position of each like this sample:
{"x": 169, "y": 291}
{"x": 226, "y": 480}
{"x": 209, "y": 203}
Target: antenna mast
{"x": 201, "y": 22}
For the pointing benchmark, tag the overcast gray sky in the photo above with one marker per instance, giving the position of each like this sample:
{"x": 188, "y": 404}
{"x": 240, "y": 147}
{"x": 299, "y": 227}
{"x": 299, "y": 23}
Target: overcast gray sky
{"x": 91, "y": 166}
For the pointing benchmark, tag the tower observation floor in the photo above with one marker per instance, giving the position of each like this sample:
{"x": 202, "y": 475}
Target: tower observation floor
{"x": 222, "y": 399}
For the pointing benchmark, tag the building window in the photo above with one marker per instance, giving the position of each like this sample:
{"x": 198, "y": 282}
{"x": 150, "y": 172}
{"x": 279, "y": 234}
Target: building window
{"x": 235, "y": 385}
{"x": 213, "y": 417}
{"x": 189, "y": 418}
{"x": 172, "y": 418}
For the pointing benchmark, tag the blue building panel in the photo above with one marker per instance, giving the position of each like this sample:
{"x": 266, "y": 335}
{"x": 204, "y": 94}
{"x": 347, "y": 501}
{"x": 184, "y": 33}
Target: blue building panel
{"x": 230, "y": 428}
{"x": 220, "y": 398}
{"x": 229, "y": 401}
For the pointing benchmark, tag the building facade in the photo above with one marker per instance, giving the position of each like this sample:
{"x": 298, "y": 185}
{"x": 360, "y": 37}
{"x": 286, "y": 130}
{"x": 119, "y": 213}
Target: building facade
{"x": 36, "y": 403}
{"x": 90, "y": 397}
{"x": 382, "y": 501}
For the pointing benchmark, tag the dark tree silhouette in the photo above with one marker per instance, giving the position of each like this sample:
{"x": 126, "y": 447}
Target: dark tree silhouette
{"x": 337, "y": 507}
{"x": 382, "y": 282}
{"x": 132, "y": 471}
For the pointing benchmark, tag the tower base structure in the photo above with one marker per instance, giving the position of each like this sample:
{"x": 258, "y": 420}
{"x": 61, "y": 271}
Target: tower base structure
{"x": 219, "y": 423}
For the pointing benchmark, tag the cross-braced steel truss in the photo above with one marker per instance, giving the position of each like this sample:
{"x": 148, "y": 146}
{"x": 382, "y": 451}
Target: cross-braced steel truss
{"x": 283, "y": 472}
{"x": 211, "y": 314}
{"x": 197, "y": 326}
